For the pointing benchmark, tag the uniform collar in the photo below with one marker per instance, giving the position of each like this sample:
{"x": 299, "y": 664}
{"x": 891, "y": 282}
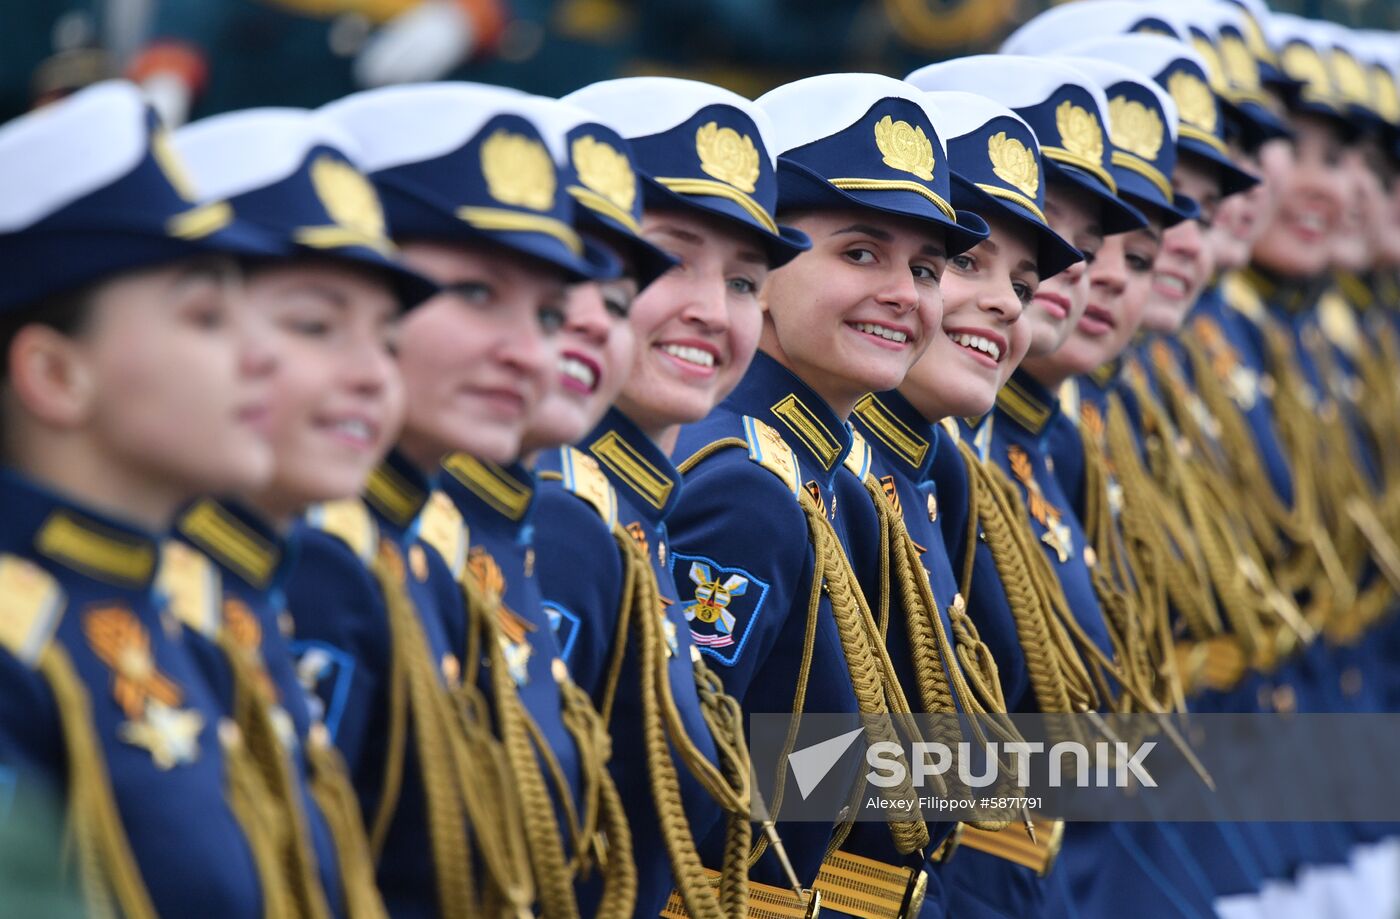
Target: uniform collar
{"x": 1358, "y": 290}
{"x": 482, "y": 487}
{"x": 773, "y": 394}
{"x": 635, "y": 465}
{"x": 1026, "y": 403}
{"x": 89, "y": 543}
{"x": 239, "y": 540}
{"x": 894, "y": 427}
{"x": 1104, "y": 375}
{"x": 398, "y": 490}
{"x": 1290, "y": 295}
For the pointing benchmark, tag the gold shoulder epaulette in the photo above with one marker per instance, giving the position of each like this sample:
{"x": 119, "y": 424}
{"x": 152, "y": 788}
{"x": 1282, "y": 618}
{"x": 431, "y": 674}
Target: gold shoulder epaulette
{"x": 584, "y": 478}
{"x": 1069, "y": 399}
{"x": 31, "y": 605}
{"x": 858, "y": 458}
{"x": 1338, "y": 321}
{"x": 769, "y": 450}
{"x": 349, "y": 521}
{"x": 192, "y": 587}
{"x": 442, "y": 526}
{"x": 950, "y": 427}
{"x": 1241, "y": 297}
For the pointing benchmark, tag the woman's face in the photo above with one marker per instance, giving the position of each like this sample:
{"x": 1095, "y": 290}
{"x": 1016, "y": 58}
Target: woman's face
{"x": 1311, "y": 183}
{"x": 1060, "y": 300}
{"x": 696, "y": 327}
{"x": 1355, "y": 245}
{"x": 983, "y": 334}
{"x": 1185, "y": 263}
{"x": 854, "y": 313}
{"x": 476, "y": 358}
{"x": 180, "y": 379}
{"x": 337, "y": 401}
{"x": 1241, "y": 218}
{"x": 1120, "y": 283}
{"x": 594, "y": 354}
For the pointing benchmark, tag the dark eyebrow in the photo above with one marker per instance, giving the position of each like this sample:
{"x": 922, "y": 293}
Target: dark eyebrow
{"x": 212, "y": 269}
{"x": 865, "y": 229}
{"x": 885, "y": 236}
{"x": 1029, "y": 267}
{"x": 684, "y": 236}
{"x": 753, "y": 256}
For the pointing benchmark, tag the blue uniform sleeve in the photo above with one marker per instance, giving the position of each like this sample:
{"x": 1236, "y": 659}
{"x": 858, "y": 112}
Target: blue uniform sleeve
{"x": 741, "y": 559}
{"x": 1066, "y": 451}
{"x": 580, "y": 578}
{"x": 341, "y": 646}
{"x": 31, "y": 749}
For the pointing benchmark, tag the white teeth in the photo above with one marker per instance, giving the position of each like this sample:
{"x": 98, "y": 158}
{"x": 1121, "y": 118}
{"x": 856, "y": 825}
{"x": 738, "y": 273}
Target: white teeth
{"x": 978, "y": 343}
{"x": 354, "y": 428}
{"x": 1174, "y": 284}
{"x": 871, "y": 328}
{"x": 578, "y": 370}
{"x": 696, "y": 356}
{"x": 1312, "y": 221}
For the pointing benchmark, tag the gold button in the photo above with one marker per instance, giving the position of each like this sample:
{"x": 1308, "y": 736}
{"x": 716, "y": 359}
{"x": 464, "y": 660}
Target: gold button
{"x": 932, "y": 509}
{"x": 1091, "y": 558}
{"x": 451, "y": 669}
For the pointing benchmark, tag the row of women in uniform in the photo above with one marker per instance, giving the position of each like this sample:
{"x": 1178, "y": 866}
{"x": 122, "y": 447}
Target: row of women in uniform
{"x": 406, "y": 502}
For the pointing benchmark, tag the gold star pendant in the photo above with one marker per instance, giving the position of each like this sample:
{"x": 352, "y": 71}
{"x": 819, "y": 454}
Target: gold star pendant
{"x": 170, "y": 735}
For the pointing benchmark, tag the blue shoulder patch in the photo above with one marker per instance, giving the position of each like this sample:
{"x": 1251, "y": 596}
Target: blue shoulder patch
{"x": 325, "y": 673}
{"x": 564, "y": 624}
{"x": 723, "y": 604}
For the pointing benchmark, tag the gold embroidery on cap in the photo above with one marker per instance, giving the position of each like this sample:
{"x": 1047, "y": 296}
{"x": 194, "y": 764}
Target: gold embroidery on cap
{"x": 518, "y": 170}
{"x": 1302, "y": 63}
{"x": 1079, "y": 131}
{"x": 1135, "y": 127}
{"x": 1241, "y": 68}
{"x": 1215, "y": 70}
{"x": 1014, "y": 163}
{"x": 1383, "y": 91}
{"x": 727, "y": 155}
{"x": 1193, "y": 99}
{"x": 170, "y": 163}
{"x": 1351, "y": 79}
{"x": 904, "y": 147}
{"x": 605, "y": 170}
{"x": 350, "y": 201}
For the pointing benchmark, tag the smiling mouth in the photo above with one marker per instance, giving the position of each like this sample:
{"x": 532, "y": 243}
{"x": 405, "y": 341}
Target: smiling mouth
{"x": 1096, "y": 321}
{"x": 978, "y": 344}
{"x": 355, "y": 432}
{"x": 879, "y": 331}
{"x": 690, "y": 355}
{"x": 578, "y": 374}
{"x": 1057, "y": 307}
{"x": 1170, "y": 286}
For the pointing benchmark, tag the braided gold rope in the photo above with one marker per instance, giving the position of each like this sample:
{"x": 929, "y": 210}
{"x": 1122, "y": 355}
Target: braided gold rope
{"x": 252, "y": 715}
{"x": 335, "y": 799}
{"x": 109, "y": 872}
{"x": 433, "y": 738}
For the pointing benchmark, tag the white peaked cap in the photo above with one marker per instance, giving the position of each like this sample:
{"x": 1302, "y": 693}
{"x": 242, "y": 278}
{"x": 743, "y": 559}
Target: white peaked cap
{"x": 643, "y": 106}
{"x": 809, "y": 109}
{"x": 418, "y": 122}
{"x": 237, "y": 152}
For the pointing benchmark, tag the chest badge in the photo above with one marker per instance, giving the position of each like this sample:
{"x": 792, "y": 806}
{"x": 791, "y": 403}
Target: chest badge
{"x": 1056, "y": 533}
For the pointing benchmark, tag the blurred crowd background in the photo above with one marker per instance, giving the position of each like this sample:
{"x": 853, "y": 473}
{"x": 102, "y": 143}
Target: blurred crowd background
{"x": 204, "y": 56}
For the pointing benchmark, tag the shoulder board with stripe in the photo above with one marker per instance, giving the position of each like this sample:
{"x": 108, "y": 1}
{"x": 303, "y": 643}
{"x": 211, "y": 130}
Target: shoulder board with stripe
{"x": 349, "y": 521}
{"x": 585, "y": 479}
{"x": 769, "y": 450}
{"x": 31, "y": 605}
{"x": 1242, "y": 298}
{"x": 950, "y": 427}
{"x": 858, "y": 458}
{"x": 192, "y": 587}
{"x": 441, "y": 525}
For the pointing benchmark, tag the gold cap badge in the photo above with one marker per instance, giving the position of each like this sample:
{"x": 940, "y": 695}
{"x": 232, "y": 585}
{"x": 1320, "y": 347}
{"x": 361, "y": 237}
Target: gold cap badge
{"x": 1080, "y": 133}
{"x": 1241, "y": 67}
{"x": 1014, "y": 163}
{"x": 518, "y": 170}
{"x": 727, "y": 155}
{"x": 1193, "y": 99}
{"x": 348, "y": 197}
{"x": 605, "y": 170}
{"x": 1302, "y": 63}
{"x": 904, "y": 147}
{"x": 170, "y": 163}
{"x": 1135, "y": 128}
